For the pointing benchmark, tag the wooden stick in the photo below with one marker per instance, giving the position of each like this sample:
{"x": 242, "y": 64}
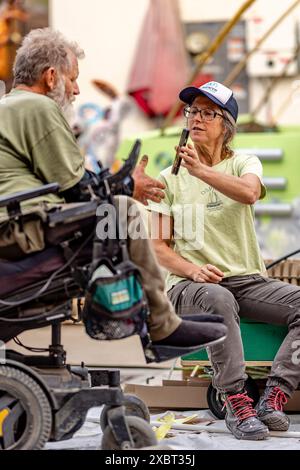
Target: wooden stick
{"x": 213, "y": 429}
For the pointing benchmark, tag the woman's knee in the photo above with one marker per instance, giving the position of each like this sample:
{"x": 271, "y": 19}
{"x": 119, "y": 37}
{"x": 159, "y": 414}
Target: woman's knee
{"x": 294, "y": 318}
{"x": 217, "y": 299}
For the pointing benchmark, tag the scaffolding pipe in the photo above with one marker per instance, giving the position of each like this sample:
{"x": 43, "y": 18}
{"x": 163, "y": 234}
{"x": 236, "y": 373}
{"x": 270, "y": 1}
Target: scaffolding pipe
{"x": 242, "y": 64}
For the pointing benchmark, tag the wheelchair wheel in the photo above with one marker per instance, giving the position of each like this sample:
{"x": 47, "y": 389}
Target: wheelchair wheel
{"x": 216, "y": 401}
{"x": 134, "y": 406}
{"x": 140, "y": 430}
{"x": 25, "y": 412}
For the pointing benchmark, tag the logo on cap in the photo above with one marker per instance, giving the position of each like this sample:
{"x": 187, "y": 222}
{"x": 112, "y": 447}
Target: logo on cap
{"x": 221, "y": 92}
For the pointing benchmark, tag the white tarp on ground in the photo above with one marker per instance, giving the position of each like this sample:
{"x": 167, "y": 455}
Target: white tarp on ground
{"x": 90, "y": 435}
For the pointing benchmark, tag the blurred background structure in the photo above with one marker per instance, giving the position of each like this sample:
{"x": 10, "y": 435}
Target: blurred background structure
{"x": 138, "y": 45}
{"x": 140, "y": 53}
{"x": 111, "y": 32}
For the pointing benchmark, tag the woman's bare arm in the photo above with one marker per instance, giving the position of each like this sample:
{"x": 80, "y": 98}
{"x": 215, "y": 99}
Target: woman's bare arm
{"x": 162, "y": 227}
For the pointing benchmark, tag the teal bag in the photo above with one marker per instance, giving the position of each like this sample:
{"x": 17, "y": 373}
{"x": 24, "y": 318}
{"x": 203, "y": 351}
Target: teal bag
{"x": 117, "y": 296}
{"x": 115, "y": 305}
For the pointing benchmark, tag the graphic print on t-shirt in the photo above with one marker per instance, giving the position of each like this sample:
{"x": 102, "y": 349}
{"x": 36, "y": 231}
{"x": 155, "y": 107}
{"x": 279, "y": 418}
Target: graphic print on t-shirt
{"x": 214, "y": 202}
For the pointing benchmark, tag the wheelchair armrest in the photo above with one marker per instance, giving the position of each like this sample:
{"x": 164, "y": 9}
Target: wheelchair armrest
{"x": 30, "y": 194}
{"x": 12, "y": 202}
{"x": 75, "y": 212}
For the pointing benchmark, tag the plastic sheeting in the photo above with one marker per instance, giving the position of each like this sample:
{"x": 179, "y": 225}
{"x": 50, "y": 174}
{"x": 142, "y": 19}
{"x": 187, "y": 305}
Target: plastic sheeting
{"x": 89, "y": 437}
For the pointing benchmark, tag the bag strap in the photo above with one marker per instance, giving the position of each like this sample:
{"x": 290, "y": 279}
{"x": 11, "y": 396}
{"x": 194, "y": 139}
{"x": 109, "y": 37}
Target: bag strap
{"x": 114, "y": 250}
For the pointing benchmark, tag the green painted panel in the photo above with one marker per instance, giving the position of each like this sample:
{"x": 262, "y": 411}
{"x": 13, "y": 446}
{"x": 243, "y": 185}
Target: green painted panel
{"x": 160, "y": 150}
{"x": 261, "y": 342}
{"x": 289, "y": 167}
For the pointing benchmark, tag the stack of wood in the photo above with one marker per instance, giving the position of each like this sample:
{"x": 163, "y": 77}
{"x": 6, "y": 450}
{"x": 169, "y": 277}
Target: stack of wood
{"x": 286, "y": 271}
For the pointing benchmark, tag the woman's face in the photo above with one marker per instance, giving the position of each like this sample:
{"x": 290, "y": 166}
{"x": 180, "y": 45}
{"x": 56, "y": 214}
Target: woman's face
{"x": 205, "y": 132}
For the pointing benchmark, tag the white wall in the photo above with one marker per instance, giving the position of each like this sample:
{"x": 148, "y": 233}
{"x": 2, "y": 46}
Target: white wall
{"x": 108, "y": 30}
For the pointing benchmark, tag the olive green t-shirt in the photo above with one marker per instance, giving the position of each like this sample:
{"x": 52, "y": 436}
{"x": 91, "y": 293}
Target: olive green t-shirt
{"x": 209, "y": 227}
{"x": 37, "y": 146}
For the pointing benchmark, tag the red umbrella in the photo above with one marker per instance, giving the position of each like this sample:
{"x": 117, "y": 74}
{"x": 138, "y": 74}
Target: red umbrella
{"x": 160, "y": 67}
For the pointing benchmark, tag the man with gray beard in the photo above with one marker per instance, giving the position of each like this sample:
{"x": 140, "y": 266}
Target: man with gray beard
{"x": 38, "y": 147}
{"x": 36, "y": 129}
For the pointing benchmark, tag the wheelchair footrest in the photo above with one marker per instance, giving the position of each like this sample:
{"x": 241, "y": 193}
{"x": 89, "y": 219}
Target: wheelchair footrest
{"x": 165, "y": 353}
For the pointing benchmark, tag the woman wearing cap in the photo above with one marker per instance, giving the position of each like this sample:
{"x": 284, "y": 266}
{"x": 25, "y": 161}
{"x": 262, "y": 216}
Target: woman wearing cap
{"x": 204, "y": 235}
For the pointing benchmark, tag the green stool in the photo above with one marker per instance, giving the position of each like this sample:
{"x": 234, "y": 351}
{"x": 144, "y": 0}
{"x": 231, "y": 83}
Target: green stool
{"x": 261, "y": 343}
{"x": 260, "y": 340}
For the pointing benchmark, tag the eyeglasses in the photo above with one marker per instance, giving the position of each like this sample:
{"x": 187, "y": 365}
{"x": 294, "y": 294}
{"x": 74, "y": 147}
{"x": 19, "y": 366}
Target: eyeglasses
{"x": 206, "y": 114}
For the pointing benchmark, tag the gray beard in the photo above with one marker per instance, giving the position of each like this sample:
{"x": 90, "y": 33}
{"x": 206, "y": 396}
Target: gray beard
{"x": 69, "y": 113}
{"x": 58, "y": 94}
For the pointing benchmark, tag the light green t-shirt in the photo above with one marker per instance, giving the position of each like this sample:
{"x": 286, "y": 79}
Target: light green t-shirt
{"x": 209, "y": 227}
{"x": 37, "y": 146}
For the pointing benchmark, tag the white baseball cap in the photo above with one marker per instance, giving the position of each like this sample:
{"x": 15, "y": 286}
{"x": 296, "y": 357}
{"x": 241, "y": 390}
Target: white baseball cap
{"x": 216, "y": 92}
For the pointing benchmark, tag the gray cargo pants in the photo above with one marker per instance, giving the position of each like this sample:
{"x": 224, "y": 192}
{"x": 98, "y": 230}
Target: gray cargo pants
{"x": 257, "y": 298}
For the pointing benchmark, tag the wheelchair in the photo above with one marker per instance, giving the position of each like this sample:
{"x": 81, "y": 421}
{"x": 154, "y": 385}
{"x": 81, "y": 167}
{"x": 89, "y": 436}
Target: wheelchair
{"x": 42, "y": 398}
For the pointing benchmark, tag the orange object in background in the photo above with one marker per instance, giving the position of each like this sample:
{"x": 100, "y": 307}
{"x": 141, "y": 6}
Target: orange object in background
{"x": 4, "y": 51}
{"x": 12, "y": 20}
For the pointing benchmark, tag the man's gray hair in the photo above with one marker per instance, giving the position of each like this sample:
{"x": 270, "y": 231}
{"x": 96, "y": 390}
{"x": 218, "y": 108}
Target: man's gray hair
{"x": 40, "y": 50}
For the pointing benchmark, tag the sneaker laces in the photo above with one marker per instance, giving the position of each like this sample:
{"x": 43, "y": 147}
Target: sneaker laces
{"x": 277, "y": 399}
{"x": 241, "y": 405}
